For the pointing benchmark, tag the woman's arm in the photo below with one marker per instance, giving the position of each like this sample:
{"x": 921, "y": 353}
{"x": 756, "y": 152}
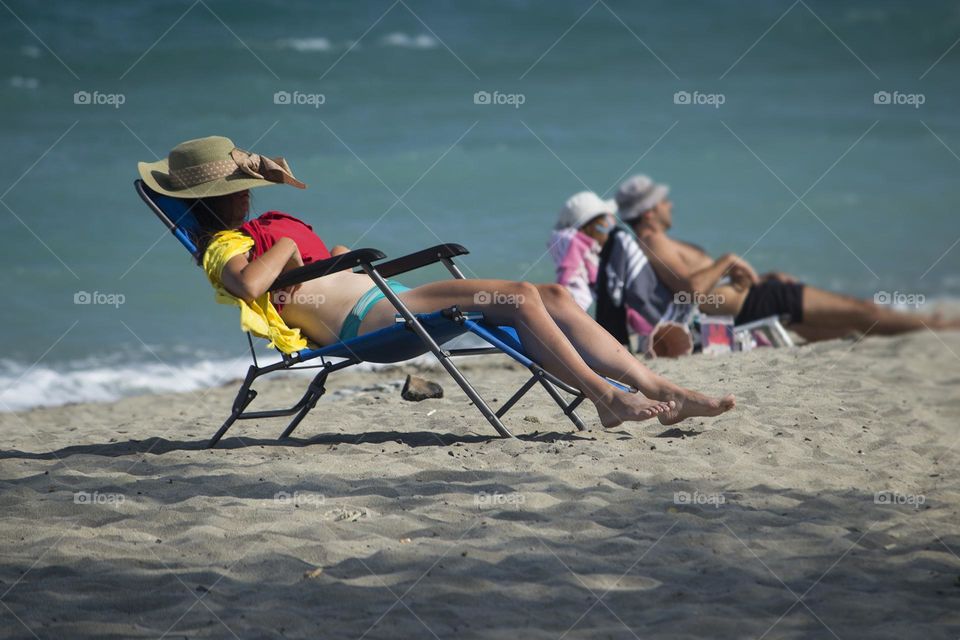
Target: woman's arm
{"x": 250, "y": 280}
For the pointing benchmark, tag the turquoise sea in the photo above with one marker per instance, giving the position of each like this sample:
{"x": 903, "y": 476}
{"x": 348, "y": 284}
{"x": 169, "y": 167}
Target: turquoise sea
{"x": 820, "y": 138}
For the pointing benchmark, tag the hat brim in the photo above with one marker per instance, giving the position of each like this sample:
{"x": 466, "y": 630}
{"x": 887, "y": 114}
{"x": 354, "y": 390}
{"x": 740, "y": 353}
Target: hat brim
{"x": 609, "y": 208}
{"x": 655, "y": 197}
{"x": 583, "y": 217}
{"x": 156, "y": 175}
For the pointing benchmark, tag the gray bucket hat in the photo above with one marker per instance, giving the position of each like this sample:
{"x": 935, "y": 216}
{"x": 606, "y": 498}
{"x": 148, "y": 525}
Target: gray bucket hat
{"x": 637, "y": 195}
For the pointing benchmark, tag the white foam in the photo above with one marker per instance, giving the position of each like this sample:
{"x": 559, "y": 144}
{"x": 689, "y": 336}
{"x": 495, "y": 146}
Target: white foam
{"x": 27, "y": 387}
{"x": 306, "y": 44}
{"x": 402, "y": 40}
{"x": 91, "y": 380}
{"x": 21, "y": 82}
{"x": 30, "y": 51}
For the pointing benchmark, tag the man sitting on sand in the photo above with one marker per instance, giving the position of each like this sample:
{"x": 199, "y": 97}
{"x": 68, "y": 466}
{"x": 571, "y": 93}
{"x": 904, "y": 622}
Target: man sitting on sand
{"x": 242, "y": 259}
{"x": 730, "y": 282}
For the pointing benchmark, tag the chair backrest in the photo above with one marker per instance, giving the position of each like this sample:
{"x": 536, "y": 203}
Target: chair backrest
{"x": 175, "y": 215}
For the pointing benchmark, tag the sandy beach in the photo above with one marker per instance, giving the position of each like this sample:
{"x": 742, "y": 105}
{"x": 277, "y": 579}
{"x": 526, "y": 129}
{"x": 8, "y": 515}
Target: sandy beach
{"x": 826, "y": 505}
{"x": 703, "y": 164}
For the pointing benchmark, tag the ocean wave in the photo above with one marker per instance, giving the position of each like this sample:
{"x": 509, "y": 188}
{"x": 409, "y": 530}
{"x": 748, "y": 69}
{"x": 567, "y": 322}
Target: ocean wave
{"x": 404, "y": 41}
{"x": 44, "y": 386}
{"x": 30, "y": 51}
{"x": 325, "y": 45}
{"x": 21, "y": 82}
{"x": 305, "y": 45}
{"x": 91, "y": 380}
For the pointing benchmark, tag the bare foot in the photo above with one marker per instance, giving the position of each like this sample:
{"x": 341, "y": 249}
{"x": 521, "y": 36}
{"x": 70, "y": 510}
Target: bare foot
{"x": 689, "y": 404}
{"x": 953, "y": 324}
{"x": 623, "y": 407}
{"x": 938, "y": 321}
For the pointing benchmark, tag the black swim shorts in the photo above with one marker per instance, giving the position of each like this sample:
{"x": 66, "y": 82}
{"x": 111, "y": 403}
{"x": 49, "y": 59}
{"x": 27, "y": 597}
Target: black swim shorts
{"x": 772, "y": 298}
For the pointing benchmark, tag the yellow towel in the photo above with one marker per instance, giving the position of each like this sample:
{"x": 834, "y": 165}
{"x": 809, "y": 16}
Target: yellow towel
{"x": 259, "y": 317}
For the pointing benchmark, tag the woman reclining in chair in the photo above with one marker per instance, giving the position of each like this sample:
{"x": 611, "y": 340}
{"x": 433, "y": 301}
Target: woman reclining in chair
{"x": 553, "y": 329}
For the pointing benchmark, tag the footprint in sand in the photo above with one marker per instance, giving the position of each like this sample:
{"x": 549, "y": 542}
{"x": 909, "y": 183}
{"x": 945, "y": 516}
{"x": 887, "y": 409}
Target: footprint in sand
{"x": 346, "y": 514}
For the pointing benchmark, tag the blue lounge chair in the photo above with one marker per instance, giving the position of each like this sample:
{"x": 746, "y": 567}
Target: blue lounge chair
{"x": 411, "y": 336}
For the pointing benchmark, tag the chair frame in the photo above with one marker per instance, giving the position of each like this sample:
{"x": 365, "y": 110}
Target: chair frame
{"x": 363, "y": 260}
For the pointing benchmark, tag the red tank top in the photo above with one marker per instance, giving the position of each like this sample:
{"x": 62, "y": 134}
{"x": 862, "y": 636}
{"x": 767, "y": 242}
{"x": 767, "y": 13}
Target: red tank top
{"x": 269, "y": 227}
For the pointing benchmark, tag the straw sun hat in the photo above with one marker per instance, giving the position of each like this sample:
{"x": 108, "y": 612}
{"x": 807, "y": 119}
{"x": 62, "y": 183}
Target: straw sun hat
{"x": 213, "y": 166}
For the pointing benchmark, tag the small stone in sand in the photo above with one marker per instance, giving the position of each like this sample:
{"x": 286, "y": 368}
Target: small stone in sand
{"x": 416, "y": 389}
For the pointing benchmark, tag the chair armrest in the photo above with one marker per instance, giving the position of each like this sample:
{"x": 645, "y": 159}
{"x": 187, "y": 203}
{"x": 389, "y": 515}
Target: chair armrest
{"x": 322, "y": 268}
{"x": 419, "y": 259}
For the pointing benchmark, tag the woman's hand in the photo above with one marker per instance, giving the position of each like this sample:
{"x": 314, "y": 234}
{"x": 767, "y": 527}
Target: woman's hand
{"x": 249, "y": 279}
{"x": 286, "y": 295}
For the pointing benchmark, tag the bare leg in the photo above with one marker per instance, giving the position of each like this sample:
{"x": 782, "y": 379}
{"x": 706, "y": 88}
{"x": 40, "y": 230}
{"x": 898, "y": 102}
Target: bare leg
{"x": 823, "y": 310}
{"x": 608, "y": 357}
{"x": 519, "y": 304}
{"x": 812, "y": 333}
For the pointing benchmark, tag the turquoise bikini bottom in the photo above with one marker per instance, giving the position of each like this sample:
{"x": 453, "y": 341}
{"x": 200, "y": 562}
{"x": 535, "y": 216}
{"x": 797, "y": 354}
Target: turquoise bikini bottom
{"x": 360, "y": 310}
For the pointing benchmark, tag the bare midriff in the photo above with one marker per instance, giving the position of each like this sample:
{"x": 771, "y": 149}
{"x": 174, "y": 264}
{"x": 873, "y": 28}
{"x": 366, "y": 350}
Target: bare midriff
{"x": 320, "y": 306}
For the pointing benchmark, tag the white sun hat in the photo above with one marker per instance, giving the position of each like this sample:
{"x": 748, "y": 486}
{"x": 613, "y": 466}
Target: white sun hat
{"x": 581, "y": 208}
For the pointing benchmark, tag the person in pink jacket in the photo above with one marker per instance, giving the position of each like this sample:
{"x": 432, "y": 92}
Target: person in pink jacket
{"x": 576, "y": 240}
{"x": 582, "y": 228}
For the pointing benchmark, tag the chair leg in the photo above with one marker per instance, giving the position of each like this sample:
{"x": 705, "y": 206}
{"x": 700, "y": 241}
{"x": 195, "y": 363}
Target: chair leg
{"x": 314, "y": 392}
{"x": 245, "y": 396}
{"x": 435, "y": 349}
{"x": 568, "y": 408}
{"x": 310, "y": 404}
{"x": 223, "y": 429}
{"x": 506, "y": 406}
{"x": 473, "y": 395}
